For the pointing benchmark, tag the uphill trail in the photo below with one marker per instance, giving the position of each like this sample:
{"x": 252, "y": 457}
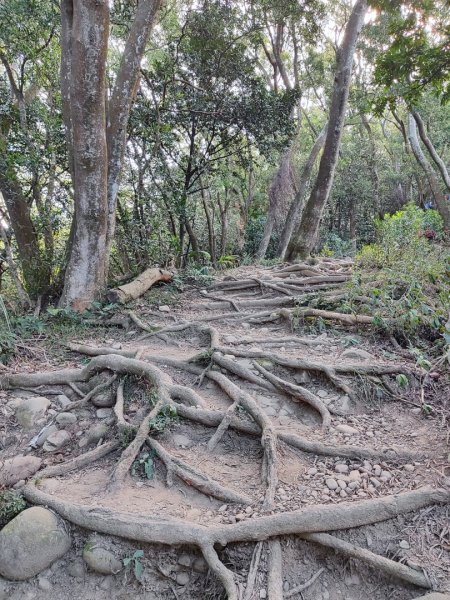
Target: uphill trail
{"x": 249, "y": 441}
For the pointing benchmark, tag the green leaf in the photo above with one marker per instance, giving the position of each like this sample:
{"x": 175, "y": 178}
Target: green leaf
{"x": 148, "y": 468}
{"x": 402, "y": 380}
{"x": 138, "y": 554}
{"x": 126, "y": 562}
{"x": 138, "y": 569}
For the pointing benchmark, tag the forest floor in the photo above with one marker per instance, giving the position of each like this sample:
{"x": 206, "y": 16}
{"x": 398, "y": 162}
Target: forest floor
{"x": 320, "y": 435}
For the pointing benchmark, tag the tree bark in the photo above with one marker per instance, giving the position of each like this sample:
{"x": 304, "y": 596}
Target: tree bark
{"x": 296, "y": 205}
{"x": 137, "y": 287}
{"x": 121, "y": 101}
{"x": 442, "y": 206}
{"x": 281, "y": 186}
{"x": 431, "y": 149}
{"x": 308, "y": 228}
{"x": 86, "y": 272}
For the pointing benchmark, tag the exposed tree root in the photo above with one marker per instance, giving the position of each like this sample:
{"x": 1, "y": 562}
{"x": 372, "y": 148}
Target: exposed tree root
{"x": 298, "y": 392}
{"x": 222, "y": 299}
{"x": 281, "y": 341}
{"x": 253, "y": 571}
{"x": 243, "y": 372}
{"x": 193, "y": 477}
{"x": 140, "y": 323}
{"x": 80, "y": 461}
{"x": 101, "y": 387}
{"x": 122, "y": 425}
{"x": 275, "y": 571}
{"x": 222, "y": 428}
{"x": 304, "y": 586}
{"x": 168, "y": 531}
{"x": 381, "y": 563}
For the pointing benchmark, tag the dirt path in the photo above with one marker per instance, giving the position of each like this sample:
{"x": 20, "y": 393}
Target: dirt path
{"x": 272, "y": 423}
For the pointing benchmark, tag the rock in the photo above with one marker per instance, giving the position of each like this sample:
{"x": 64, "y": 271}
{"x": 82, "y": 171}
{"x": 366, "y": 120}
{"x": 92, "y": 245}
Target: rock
{"x": 354, "y": 475}
{"x": 245, "y": 325}
{"x": 230, "y": 339}
{"x": 101, "y": 560}
{"x": 375, "y": 482}
{"x": 30, "y": 410}
{"x": 386, "y": 475}
{"x": 302, "y": 377}
{"x": 44, "y": 584}
{"x": 262, "y": 593}
{"x": 346, "y": 429}
{"x": 341, "y": 468}
{"x": 200, "y": 565}
{"x": 164, "y": 308}
{"x": 104, "y": 413}
{"x": 4, "y": 590}
{"x": 14, "y": 469}
{"x": 104, "y": 399}
{"x": 409, "y": 468}
{"x": 56, "y": 441}
{"x": 404, "y": 544}
{"x": 344, "y": 404}
{"x": 63, "y": 400}
{"x": 117, "y": 346}
{"x": 31, "y": 542}
{"x": 331, "y": 484}
{"x": 322, "y": 393}
{"x": 43, "y": 435}
{"x": 312, "y": 471}
{"x": 356, "y": 353}
{"x": 343, "y": 494}
{"x": 96, "y": 433}
{"x": 184, "y": 560}
{"x": 76, "y": 569}
{"x": 341, "y": 484}
{"x": 353, "y": 485}
{"x": 182, "y": 441}
{"x": 66, "y": 418}
{"x": 182, "y": 578}
{"x": 377, "y": 470}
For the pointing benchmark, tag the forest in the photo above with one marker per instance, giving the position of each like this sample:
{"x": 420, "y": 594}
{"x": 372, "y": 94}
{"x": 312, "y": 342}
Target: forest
{"x": 225, "y": 299}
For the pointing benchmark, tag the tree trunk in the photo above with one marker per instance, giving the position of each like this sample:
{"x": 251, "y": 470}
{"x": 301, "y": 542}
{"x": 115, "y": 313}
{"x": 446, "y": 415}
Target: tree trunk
{"x": 308, "y": 228}
{"x": 210, "y": 224}
{"x": 442, "y": 206}
{"x": 431, "y": 149}
{"x": 121, "y": 101}
{"x": 281, "y": 186}
{"x": 86, "y": 272}
{"x": 296, "y": 205}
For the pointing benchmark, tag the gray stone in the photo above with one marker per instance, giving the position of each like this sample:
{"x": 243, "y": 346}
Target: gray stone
{"x": 341, "y": 484}
{"x": 404, "y": 544}
{"x": 230, "y": 339}
{"x": 30, "y": 410}
{"x": 312, "y": 471}
{"x": 4, "y": 590}
{"x": 182, "y": 441}
{"x": 31, "y": 542}
{"x": 66, "y": 418}
{"x": 103, "y": 413}
{"x": 262, "y": 593}
{"x": 302, "y": 377}
{"x": 63, "y": 400}
{"x": 182, "y": 578}
{"x": 185, "y": 560}
{"x": 76, "y": 569}
{"x": 341, "y": 468}
{"x": 200, "y": 565}
{"x": 164, "y": 308}
{"x": 56, "y": 441}
{"x": 44, "y": 584}
{"x": 344, "y": 404}
{"x": 354, "y": 475}
{"x": 343, "y": 494}
{"x": 104, "y": 399}
{"x": 101, "y": 560}
{"x": 116, "y": 346}
{"x": 43, "y": 435}
{"x": 96, "y": 433}
{"x": 409, "y": 468}
{"x": 375, "y": 482}
{"x": 346, "y": 429}
{"x": 331, "y": 483}
{"x": 15, "y": 469}
{"x": 322, "y": 393}
{"x": 357, "y": 354}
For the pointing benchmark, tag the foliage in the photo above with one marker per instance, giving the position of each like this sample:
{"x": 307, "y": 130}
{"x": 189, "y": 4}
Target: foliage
{"x": 11, "y": 504}
{"x": 137, "y": 565}
{"x": 145, "y": 464}
{"x": 406, "y": 274}
{"x": 164, "y": 419}
{"x": 334, "y": 245}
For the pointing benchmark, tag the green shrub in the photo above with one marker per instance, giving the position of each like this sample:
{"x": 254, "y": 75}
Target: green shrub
{"x": 11, "y": 504}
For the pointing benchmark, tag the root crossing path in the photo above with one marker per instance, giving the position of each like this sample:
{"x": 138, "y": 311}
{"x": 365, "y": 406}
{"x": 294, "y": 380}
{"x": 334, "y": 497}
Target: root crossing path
{"x": 253, "y": 441}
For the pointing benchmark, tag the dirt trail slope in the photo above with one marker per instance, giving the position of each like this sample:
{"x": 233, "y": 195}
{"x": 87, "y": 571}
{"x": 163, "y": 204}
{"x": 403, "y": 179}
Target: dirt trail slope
{"x": 284, "y": 460}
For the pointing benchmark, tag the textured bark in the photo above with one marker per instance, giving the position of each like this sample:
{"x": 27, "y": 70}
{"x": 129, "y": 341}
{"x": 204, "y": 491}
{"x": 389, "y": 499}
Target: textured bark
{"x": 306, "y": 233}
{"x": 296, "y": 205}
{"x": 138, "y": 286}
{"x": 442, "y": 205}
{"x": 86, "y": 271}
{"x": 431, "y": 149}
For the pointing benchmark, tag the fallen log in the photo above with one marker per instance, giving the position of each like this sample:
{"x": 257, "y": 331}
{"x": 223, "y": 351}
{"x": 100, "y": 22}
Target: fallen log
{"x": 137, "y": 287}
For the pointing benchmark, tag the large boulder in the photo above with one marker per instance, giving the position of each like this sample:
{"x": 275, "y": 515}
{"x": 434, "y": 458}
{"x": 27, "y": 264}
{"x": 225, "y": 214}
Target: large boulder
{"x": 31, "y": 542}
{"x": 30, "y": 410}
{"x": 14, "y": 469}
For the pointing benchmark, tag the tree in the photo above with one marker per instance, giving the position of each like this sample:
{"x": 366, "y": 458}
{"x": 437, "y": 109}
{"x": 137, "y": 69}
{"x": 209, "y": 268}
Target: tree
{"x": 96, "y": 136}
{"x": 305, "y": 235}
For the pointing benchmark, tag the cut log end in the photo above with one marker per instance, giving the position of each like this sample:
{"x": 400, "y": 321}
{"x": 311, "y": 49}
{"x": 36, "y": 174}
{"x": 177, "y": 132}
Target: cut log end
{"x": 137, "y": 287}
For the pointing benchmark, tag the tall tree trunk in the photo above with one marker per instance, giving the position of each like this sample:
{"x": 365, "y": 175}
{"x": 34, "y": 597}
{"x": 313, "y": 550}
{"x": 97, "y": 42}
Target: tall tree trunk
{"x": 122, "y": 97}
{"x": 296, "y": 204}
{"x": 210, "y": 225}
{"x": 431, "y": 149}
{"x": 306, "y": 233}
{"x": 86, "y": 272}
{"x": 442, "y": 205}
{"x": 281, "y": 187}
{"x": 373, "y": 167}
